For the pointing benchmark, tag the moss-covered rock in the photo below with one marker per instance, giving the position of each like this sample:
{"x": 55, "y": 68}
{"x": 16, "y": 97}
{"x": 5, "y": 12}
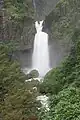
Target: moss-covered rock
{"x": 18, "y": 19}
{"x": 33, "y": 74}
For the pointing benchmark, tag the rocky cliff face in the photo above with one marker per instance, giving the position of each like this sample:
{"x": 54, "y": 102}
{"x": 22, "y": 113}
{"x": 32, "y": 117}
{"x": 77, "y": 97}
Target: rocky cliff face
{"x": 62, "y": 22}
{"x": 16, "y": 22}
{"x": 17, "y": 19}
{"x": 44, "y": 7}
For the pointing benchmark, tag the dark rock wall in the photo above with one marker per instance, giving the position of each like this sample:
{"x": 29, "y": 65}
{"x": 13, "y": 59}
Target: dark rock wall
{"x": 22, "y": 30}
{"x": 16, "y": 25}
{"x": 44, "y": 7}
{"x": 58, "y": 48}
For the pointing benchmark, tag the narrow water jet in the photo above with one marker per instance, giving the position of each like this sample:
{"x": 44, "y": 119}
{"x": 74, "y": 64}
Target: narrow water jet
{"x": 40, "y": 58}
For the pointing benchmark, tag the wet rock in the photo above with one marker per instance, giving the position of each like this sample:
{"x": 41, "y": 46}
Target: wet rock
{"x": 33, "y": 74}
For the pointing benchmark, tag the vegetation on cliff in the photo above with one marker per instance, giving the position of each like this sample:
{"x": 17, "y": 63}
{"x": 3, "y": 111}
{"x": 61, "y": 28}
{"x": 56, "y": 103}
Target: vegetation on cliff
{"x": 19, "y": 9}
{"x": 16, "y": 22}
{"x": 62, "y": 84}
{"x": 17, "y": 101}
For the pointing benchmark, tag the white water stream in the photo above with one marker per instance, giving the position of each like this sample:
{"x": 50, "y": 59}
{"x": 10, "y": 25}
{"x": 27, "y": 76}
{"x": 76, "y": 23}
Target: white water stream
{"x": 40, "y": 58}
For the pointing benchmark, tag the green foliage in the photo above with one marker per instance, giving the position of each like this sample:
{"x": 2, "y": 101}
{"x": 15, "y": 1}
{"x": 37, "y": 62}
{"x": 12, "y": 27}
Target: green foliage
{"x": 18, "y": 9}
{"x": 18, "y": 17}
{"x": 64, "y": 106}
{"x": 17, "y": 102}
{"x": 64, "y": 81}
{"x": 51, "y": 83}
{"x": 62, "y": 84}
{"x": 59, "y": 78}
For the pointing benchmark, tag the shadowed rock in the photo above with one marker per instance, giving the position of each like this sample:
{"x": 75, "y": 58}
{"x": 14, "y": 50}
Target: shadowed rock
{"x": 33, "y": 74}
{"x": 44, "y": 7}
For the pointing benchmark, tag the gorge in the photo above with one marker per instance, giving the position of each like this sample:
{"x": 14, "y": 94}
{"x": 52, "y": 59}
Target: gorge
{"x": 57, "y": 49}
{"x": 59, "y": 38}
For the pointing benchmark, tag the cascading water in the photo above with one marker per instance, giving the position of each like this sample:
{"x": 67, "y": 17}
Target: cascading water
{"x": 40, "y": 59}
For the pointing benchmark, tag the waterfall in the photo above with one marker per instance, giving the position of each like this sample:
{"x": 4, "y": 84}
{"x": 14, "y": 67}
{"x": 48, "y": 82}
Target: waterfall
{"x": 40, "y": 58}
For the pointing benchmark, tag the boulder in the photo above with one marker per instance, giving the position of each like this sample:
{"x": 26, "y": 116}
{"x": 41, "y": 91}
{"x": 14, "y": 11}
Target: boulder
{"x": 33, "y": 74}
